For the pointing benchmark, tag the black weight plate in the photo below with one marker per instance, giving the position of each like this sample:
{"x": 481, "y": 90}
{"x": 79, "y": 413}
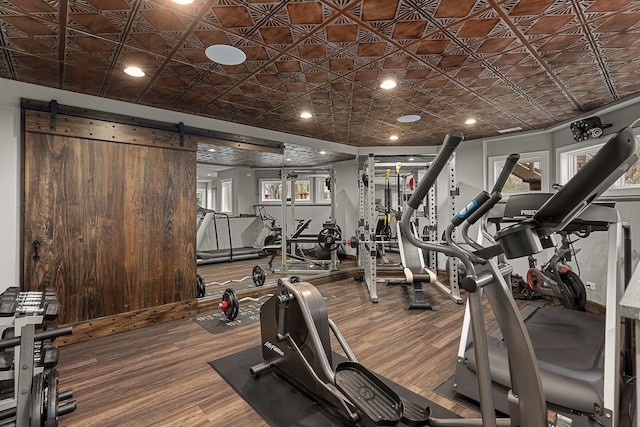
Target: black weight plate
{"x": 200, "y": 286}
{"x": 258, "y": 275}
{"x": 38, "y": 399}
{"x": 233, "y": 305}
{"x": 329, "y": 238}
{"x": 52, "y": 399}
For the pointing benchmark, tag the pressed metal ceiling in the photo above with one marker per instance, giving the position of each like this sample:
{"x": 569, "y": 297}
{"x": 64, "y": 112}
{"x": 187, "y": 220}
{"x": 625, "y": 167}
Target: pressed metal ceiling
{"x": 513, "y": 63}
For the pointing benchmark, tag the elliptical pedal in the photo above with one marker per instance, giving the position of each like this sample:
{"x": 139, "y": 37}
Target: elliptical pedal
{"x": 375, "y": 400}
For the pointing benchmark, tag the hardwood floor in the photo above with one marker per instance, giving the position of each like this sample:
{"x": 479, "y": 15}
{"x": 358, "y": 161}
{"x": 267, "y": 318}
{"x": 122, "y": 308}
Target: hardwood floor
{"x": 159, "y": 376}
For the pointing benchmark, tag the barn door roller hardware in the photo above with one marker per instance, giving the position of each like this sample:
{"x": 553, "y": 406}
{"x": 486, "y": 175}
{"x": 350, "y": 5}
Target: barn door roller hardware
{"x": 54, "y": 109}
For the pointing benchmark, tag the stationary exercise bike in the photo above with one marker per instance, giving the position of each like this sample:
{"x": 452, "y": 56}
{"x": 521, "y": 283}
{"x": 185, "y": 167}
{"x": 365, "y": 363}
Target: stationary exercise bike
{"x": 272, "y": 244}
{"x": 555, "y": 278}
{"x": 296, "y": 343}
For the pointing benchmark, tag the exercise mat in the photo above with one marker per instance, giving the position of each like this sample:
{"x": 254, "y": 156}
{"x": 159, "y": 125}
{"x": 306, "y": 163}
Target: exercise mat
{"x": 280, "y": 404}
{"x": 217, "y": 322}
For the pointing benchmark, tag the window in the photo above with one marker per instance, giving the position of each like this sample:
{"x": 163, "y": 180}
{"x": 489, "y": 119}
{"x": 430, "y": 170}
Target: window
{"x": 323, "y": 194}
{"x": 205, "y": 195}
{"x": 226, "y": 196}
{"x": 574, "y": 156}
{"x": 530, "y": 174}
{"x": 303, "y": 190}
{"x": 271, "y": 190}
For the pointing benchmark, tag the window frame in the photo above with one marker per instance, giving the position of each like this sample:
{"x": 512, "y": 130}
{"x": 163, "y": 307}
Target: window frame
{"x": 265, "y": 196}
{"x": 565, "y": 167}
{"x": 224, "y": 183}
{"x": 496, "y": 163}
{"x": 278, "y": 182}
{"x": 321, "y": 192}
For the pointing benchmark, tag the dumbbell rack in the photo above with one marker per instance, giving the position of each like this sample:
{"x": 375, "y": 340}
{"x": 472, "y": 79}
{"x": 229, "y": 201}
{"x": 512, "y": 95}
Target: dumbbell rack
{"x": 34, "y": 401}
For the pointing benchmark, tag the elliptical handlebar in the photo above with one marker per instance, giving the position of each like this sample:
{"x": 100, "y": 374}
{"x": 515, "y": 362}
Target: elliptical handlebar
{"x": 509, "y": 164}
{"x": 477, "y": 208}
{"x": 485, "y": 203}
{"x": 451, "y": 142}
{"x": 496, "y": 192}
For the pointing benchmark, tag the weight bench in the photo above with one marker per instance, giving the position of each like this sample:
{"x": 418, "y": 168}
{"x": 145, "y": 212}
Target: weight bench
{"x": 415, "y": 271}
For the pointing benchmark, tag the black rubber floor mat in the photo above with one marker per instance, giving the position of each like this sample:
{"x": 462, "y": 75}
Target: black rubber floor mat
{"x": 280, "y": 404}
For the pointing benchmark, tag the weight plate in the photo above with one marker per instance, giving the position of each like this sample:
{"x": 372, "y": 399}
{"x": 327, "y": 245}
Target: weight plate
{"x": 329, "y": 238}
{"x": 52, "y": 399}
{"x": 38, "y": 399}
{"x": 258, "y": 275}
{"x": 231, "y": 304}
{"x": 200, "y": 286}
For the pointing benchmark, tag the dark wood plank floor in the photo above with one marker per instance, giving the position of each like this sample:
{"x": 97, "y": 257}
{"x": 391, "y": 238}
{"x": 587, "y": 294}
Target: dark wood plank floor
{"x": 159, "y": 376}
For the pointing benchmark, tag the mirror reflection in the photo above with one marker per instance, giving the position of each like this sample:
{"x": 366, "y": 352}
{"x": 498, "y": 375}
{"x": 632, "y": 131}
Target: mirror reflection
{"x": 257, "y": 224}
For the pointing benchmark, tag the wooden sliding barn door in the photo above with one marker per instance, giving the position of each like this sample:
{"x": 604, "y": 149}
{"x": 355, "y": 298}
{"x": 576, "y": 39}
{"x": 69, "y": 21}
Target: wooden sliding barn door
{"x": 109, "y": 215}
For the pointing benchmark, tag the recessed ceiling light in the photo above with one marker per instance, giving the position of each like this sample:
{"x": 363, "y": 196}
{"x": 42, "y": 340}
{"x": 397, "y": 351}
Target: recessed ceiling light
{"x": 183, "y": 1}
{"x": 213, "y": 150}
{"x": 388, "y": 84}
{"x": 306, "y": 115}
{"x": 288, "y": 160}
{"x": 225, "y": 54}
{"x": 470, "y": 121}
{"x": 411, "y": 159}
{"x": 410, "y": 118}
{"x": 393, "y": 137}
{"x": 517, "y": 128}
{"x": 134, "y": 72}
{"x": 323, "y": 152}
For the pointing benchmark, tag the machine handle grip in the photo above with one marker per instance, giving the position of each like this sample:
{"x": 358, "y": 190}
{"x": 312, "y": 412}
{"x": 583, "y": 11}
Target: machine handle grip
{"x": 451, "y": 142}
{"x": 474, "y": 204}
{"x": 509, "y": 165}
{"x": 484, "y": 208}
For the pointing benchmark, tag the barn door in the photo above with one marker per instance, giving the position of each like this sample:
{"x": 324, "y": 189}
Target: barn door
{"x": 110, "y": 225}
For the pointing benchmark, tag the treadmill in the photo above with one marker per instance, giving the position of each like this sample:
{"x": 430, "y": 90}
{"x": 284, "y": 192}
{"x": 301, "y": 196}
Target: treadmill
{"x": 579, "y": 353}
{"x": 206, "y": 217}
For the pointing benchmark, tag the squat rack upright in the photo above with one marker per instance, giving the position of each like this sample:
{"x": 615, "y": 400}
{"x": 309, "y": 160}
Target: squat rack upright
{"x": 368, "y": 240}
